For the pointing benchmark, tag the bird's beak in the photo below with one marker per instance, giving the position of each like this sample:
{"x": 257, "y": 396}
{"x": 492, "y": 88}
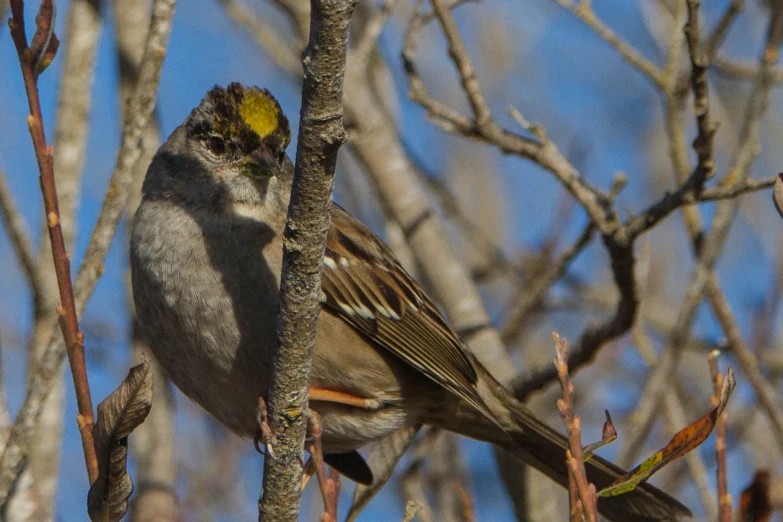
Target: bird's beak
{"x": 261, "y": 164}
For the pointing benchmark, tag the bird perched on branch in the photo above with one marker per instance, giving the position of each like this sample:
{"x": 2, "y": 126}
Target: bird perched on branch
{"x": 206, "y": 258}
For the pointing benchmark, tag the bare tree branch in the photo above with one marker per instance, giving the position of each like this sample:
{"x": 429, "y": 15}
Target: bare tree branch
{"x": 709, "y": 250}
{"x": 142, "y": 103}
{"x": 320, "y": 136}
{"x": 82, "y": 33}
{"x": 33, "y": 60}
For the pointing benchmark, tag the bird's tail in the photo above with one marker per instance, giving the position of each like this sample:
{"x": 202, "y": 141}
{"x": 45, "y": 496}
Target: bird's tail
{"x": 519, "y": 431}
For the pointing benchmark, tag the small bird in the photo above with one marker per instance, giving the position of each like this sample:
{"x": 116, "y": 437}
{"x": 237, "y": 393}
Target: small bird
{"x": 206, "y": 257}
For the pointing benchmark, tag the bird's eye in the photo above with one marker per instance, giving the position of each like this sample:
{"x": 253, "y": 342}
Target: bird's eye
{"x": 216, "y": 145}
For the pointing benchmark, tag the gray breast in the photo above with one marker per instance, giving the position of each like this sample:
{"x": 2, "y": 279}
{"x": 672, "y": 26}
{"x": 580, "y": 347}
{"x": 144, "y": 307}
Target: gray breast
{"x": 206, "y": 302}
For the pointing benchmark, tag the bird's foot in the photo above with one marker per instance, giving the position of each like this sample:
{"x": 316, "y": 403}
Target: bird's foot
{"x": 264, "y": 433}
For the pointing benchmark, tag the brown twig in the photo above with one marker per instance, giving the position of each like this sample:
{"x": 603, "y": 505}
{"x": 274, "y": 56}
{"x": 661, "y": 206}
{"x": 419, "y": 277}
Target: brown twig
{"x": 140, "y": 110}
{"x": 690, "y": 188}
{"x": 482, "y": 126}
{"x": 587, "y": 504}
{"x": 321, "y": 134}
{"x": 30, "y": 61}
{"x": 736, "y": 189}
{"x": 724, "y": 499}
{"x": 330, "y": 487}
{"x": 77, "y": 61}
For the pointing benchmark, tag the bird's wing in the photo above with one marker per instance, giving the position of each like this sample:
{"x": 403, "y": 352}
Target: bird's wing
{"x": 365, "y": 285}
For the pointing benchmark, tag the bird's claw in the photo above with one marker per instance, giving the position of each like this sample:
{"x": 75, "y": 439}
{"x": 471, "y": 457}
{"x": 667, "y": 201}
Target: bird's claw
{"x": 263, "y": 433}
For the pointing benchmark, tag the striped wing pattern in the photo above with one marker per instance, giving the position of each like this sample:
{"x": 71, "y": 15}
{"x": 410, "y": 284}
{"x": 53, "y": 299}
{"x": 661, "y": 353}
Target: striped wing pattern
{"x": 365, "y": 285}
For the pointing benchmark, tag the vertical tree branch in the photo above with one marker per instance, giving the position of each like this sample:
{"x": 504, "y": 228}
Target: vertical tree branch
{"x": 321, "y": 134}
{"x": 82, "y": 33}
{"x": 31, "y": 60}
{"x": 140, "y": 110}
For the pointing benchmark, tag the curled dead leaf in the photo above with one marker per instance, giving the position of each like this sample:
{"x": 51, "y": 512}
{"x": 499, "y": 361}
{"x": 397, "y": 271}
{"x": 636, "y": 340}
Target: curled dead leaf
{"x": 118, "y": 415}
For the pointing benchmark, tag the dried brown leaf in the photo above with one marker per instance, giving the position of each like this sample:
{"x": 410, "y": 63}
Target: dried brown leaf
{"x": 118, "y": 415}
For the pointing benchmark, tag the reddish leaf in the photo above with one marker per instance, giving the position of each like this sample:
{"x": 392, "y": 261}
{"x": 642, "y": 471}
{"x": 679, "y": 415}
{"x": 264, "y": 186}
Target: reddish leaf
{"x": 44, "y": 23}
{"x": 44, "y": 44}
{"x": 609, "y": 435}
{"x": 683, "y": 442}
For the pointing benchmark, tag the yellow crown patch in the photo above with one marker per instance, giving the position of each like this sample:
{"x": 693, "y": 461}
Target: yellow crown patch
{"x": 260, "y": 112}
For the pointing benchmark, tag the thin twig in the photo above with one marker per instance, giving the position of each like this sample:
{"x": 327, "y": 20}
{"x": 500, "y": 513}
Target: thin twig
{"x": 764, "y": 390}
{"x": 367, "y": 43}
{"x": 483, "y": 128}
{"x": 574, "y": 458}
{"x": 140, "y": 110}
{"x": 712, "y": 245}
{"x": 701, "y": 102}
{"x": 742, "y": 70}
{"x": 724, "y": 499}
{"x": 69, "y": 323}
{"x": 82, "y": 34}
{"x": 736, "y": 189}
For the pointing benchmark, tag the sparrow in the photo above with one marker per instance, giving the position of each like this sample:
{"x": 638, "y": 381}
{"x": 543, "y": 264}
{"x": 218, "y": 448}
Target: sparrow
{"x": 206, "y": 258}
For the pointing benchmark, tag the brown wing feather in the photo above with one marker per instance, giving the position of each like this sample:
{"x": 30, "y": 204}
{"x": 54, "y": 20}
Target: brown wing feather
{"x": 366, "y": 286}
